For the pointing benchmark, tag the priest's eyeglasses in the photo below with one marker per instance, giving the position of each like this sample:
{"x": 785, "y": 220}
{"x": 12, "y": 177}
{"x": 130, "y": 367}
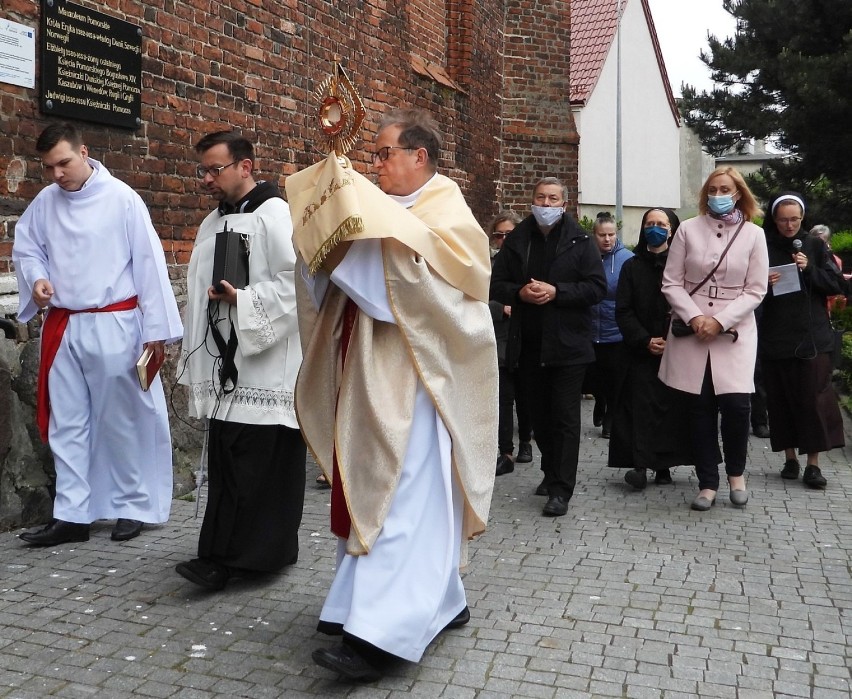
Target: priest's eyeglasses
{"x": 384, "y": 153}
{"x": 214, "y": 171}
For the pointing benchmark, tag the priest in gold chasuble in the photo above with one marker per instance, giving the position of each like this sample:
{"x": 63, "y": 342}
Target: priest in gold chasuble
{"x": 397, "y": 395}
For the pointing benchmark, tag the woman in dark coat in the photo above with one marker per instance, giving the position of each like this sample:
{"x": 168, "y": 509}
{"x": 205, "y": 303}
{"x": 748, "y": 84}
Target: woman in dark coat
{"x": 797, "y": 341}
{"x": 647, "y": 432}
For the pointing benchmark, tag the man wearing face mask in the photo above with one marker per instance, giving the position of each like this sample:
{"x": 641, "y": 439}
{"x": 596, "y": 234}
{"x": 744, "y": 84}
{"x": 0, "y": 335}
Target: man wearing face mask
{"x": 549, "y": 270}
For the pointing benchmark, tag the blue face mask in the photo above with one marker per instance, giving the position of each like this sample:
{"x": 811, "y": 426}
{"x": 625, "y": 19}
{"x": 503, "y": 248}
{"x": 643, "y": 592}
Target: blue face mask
{"x": 723, "y": 204}
{"x": 656, "y": 236}
{"x": 547, "y": 216}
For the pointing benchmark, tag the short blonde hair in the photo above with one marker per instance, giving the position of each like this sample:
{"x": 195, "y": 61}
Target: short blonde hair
{"x": 505, "y": 215}
{"x": 747, "y": 204}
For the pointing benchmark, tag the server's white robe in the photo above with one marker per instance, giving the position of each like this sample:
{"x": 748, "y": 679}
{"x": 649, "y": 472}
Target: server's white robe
{"x": 401, "y": 594}
{"x": 110, "y": 440}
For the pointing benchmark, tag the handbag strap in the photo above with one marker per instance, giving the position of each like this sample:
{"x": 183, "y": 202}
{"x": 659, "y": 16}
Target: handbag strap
{"x": 721, "y": 257}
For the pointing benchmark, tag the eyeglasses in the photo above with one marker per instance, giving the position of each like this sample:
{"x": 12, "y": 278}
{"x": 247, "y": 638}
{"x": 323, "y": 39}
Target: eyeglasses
{"x": 384, "y": 153}
{"x": 215, "y": 171}
{"x": 499, "y": 236}
{"x": 788, "y": 221}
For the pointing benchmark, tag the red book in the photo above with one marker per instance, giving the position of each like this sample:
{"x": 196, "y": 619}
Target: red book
{"x": 147, "y": 367}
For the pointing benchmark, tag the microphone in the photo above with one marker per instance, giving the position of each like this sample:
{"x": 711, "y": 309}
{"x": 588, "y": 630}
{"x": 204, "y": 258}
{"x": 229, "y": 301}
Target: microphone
{"x": 797, "y": 245}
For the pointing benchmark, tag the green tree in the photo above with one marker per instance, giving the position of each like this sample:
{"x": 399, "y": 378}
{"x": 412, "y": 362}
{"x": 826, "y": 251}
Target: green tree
{"x": 785, "y": 76}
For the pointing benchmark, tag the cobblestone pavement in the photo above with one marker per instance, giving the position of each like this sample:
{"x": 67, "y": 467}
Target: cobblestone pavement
{"x": 629, "y": 595}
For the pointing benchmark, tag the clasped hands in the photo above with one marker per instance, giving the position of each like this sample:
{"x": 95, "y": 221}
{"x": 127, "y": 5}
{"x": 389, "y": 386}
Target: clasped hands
{"x": 537, "y": 293}
{"x": 705, "y": 327}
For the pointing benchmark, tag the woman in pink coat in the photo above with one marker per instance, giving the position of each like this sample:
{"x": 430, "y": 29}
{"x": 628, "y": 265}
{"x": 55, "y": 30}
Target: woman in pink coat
{"x": 715, "y": 363}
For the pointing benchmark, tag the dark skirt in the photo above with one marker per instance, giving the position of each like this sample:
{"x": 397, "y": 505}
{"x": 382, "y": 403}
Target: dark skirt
{"x": 650, "y": 426}
{"x": 802, "y": 405}
{"x": 255, "y": 495}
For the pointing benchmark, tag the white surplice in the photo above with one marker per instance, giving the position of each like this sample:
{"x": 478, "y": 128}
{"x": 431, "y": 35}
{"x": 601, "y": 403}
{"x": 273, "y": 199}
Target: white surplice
{"x": 110, "y": 440}
{"x": 408, "y": 588}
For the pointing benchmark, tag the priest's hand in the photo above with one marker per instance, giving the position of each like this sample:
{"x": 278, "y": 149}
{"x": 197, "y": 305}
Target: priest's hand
{"x": 158, "y": 349}
{"x": 229, "y": 295}
{"x": 42, "y": 292}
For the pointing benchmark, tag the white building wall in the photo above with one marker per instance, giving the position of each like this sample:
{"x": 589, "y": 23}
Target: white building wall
{"x": 650, "y": 134}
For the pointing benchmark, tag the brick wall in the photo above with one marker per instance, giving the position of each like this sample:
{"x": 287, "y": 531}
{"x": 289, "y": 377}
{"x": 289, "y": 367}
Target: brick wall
{"x": 253, "y": 64}
{"x": 539, "y": 138}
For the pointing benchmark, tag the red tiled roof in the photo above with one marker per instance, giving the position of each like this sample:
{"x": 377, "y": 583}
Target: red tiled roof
{"x": 593, "y": 26}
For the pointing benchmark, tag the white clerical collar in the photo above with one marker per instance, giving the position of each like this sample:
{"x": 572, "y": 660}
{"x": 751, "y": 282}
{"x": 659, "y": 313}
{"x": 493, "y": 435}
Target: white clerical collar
{"x": 410, "y": 199}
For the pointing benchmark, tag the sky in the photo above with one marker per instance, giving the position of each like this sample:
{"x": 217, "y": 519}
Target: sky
{"x": 682, "y": 28}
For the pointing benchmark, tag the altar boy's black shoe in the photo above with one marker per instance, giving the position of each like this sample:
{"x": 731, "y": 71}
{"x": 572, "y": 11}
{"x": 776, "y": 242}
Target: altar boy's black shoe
{"x": 126, "y": 529}
{"x": 57, "y": 532}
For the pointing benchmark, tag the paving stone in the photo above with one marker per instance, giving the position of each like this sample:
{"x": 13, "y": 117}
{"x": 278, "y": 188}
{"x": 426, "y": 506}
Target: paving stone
{"x": 629, "y": 595}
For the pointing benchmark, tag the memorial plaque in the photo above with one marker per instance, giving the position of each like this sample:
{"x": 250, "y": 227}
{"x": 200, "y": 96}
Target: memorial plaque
{"x": 91, "y": 65}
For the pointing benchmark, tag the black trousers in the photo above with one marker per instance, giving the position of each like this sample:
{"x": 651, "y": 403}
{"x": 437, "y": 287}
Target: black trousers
{"x": 255, "y": 493}
{"x": 554, "y": 398}
{"x": 511, "y": 398}
{"x": 704, "y": 413}
{"x": 610, "y": 370}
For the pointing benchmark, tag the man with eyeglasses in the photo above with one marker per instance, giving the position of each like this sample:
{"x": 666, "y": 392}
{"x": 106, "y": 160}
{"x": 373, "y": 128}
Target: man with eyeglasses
{"x": 240, "y": 358}
{"x": 398, "y": 391}
{"x": 85, "y": 249}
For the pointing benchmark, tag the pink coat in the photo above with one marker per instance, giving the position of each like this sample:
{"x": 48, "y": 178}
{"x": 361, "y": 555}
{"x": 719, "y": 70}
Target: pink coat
{"x": 731, "y": 296}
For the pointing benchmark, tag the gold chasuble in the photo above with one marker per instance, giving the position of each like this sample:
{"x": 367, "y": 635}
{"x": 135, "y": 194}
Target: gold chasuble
{"x": 437, "y": 268}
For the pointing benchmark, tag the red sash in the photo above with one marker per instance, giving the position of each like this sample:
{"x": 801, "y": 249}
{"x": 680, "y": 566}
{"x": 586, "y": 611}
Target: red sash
{"x": 51, "y": 337}
{"x": 341, "y": 523}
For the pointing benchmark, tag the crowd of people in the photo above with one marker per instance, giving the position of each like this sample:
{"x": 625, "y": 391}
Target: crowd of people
{"x": 706, "y": 328}
{"x": 380, "y": 327}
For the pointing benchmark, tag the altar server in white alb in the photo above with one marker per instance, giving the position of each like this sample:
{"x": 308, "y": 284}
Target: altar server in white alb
{"x": 86, "y": 250}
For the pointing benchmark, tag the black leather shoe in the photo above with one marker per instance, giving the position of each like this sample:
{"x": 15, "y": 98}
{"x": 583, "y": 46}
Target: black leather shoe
{"x": 57, "y": 532}
{"x": 663, "y": 476}
{"x": 790, "y": 470}
{"x": 761, "y": 431}
{"x": 524, "y": 453}
{"x": 605, "y": 432}
{"x": 555, "y": 507}
{"x": 542, "y": 487}
{"x": 126, "y": 529}
{"x": 206, "y": 574}
{"x": 347, "y": 661}
{"x": 636, "y": 478}
{"x": 459, "y": 619}
{"x": 504, "y": 465}
{"x": 813, "y": 477}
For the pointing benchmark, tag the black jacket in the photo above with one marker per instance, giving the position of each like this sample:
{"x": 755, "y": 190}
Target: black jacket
{"x": 797, "y": 324}
{"x": 641, "y": 310}
{"x": 577, "y": 273}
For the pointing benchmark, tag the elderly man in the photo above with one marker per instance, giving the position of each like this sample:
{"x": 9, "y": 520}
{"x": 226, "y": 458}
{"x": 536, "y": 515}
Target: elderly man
{"x": 86, "y": 249}
{"x": 397, "y": 394}
{"x": 240, "y": 359}
{"x": 549, "y": 270}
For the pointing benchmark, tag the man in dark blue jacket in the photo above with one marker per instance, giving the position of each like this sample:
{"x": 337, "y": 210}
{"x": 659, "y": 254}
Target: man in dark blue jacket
{"x": 549, "y": 270}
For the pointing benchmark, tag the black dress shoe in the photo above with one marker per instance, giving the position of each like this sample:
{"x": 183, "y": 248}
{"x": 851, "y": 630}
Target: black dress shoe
{"x": 761, "y": 431}
{"x": 790, "y": 470}
{"x": 504, "y": 465}
{"x": 605, "y": 432}
{"x": 555, "y": 507}
{"x": 524, "y": 453}
{"x": 57, "y": 532}
{"x": 636, "y": 478}
{"x": 206, "y": 574}
{"x": 663, "y": 476}
{"x": 459, "y": 619}
{"x": 345, "y": 660}
{"x": 126, "y": 529}
{"x": 542, "y": 487}
{"x": 813, "y": 477}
